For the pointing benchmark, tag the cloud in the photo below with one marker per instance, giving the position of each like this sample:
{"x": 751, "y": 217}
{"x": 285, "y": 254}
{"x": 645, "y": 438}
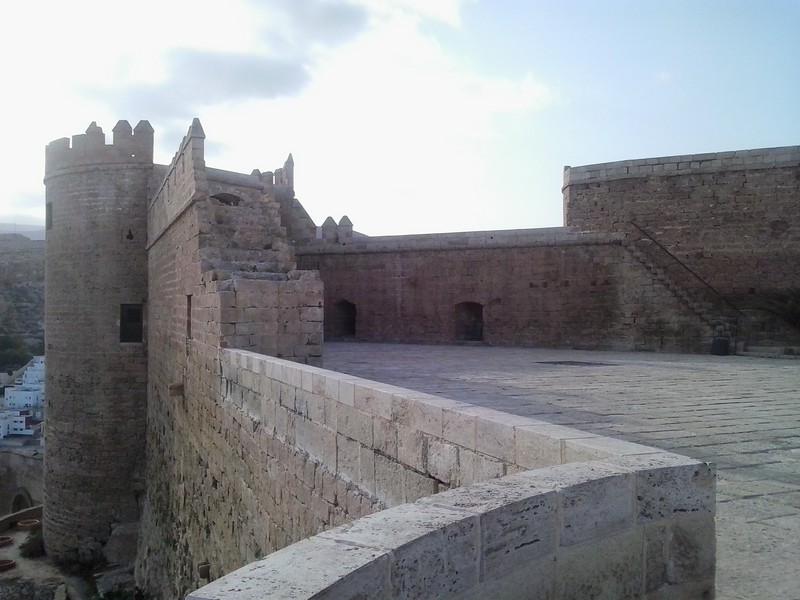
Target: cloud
{"x": 285, "y": 42}
{"x": 196, "y": 78}
{"x": 402, "y": 127}
{"x": 320, "y": 21}
{"x": 445, "y": 11}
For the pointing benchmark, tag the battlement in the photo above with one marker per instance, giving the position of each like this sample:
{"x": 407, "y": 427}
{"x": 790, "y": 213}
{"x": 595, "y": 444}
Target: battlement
{"x": 129, "y": 145}
{"x": 761, "y": 158}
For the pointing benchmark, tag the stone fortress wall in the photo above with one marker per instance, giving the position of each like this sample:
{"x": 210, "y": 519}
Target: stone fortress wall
{"x": 245, "y": 454}
{"x": 730, "y": 217}
{"x": 547, "y": 287}
{"x": 663, "y": 254}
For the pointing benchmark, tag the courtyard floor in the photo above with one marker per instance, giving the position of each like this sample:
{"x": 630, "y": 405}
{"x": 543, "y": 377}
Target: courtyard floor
{"x": 741, "y": 413}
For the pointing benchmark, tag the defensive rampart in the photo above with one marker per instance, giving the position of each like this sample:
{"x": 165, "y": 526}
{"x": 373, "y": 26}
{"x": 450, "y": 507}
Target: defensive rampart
{"x": 544, "y": 287}
{"x": 525, "y": 507}
{"x": 731, "y": 217}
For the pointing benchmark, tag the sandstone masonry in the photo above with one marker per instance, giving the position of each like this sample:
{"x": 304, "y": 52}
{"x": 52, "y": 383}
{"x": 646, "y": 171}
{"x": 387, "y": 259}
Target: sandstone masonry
{"x": 177, "y": 293}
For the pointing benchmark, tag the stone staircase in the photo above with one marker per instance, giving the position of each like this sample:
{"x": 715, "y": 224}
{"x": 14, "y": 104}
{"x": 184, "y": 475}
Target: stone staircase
{"x": 722, "y": 319}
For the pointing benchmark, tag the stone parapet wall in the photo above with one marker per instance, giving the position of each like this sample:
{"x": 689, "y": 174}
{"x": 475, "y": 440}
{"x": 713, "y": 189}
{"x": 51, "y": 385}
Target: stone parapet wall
{"x": 469, "y": 517}
{"x": 737, "y": 160}
{"x": 513, "y": 238}
{"x": 129, "y": 146}
{"x": 183, "y": 182}
{"x": 556, "y": 289}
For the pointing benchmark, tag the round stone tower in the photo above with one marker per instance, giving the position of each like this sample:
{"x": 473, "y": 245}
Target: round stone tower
{"x": 96, "y": 369}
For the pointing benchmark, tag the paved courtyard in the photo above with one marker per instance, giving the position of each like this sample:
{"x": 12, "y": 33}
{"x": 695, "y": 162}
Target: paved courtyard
{"x": 741, "y": 413}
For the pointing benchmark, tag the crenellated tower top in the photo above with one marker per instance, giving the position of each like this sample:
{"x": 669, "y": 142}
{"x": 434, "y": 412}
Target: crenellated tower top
{"x": 129, "y": 145}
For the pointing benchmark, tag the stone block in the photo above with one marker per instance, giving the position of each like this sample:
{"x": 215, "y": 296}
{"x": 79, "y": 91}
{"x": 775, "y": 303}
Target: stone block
{"x": 537, "y": 580}
{"x": 458, "y": 424}
{"x": 596, "y": 508}
{"x": 435, "y": 550}
{"x": 417, "y": 485}
{"x": 655, "y": 556}
{"x": 366, "y": 469}
{"x": 338, "y": 573}
{"x": 519, "y": 520}
{"x": 346, "y": 393}
{"x": 374, "y": 398}
{"x": 610, "y": 568}
{"x": 596, "y": 447}
{"x": 669, "y": 485}
{"x": 316, "y": 440}
{"x": 389, "y": 481}
{"x": 354, "y": 424}
{"x": 347, "y": 458}
{"x": 486, "y": 467}
{"x": 442, "y": 461}
{"x": 384, "y": 434}
{"x": 495, "y": 437}
{"x": 691, "y": 549}
{"x": 535, "y": 449}
{"x": 412, "y": 448}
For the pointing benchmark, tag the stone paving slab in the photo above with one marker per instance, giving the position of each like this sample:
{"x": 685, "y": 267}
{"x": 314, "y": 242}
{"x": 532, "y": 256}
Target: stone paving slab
{"x": 742, "y": 413}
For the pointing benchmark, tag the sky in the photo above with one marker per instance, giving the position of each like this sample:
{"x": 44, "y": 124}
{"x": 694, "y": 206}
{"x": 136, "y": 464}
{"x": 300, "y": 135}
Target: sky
{"x": 408, "y": 116}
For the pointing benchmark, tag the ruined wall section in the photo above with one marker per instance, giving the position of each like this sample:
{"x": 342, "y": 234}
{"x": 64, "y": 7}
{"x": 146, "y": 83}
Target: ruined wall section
{"x": 545, "y": 287}
{"x": 96, "y": 377}
{"x": 732, "y": 217}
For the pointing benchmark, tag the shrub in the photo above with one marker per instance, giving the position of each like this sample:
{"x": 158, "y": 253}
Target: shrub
{"x": 33, "y": 546}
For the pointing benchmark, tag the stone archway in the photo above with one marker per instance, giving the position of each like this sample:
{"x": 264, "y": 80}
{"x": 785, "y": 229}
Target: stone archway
{"x": 469, "y": 322}
{"x": 21, "y": 501}
{"x": 340, "y": 322}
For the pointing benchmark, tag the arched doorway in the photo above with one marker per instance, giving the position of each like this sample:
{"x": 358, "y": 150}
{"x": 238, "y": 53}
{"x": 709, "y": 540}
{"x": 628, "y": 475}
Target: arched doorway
{"x": 469, "y": 322}
{"x": 21, "y": 501}
{"x": 340, "y": 322}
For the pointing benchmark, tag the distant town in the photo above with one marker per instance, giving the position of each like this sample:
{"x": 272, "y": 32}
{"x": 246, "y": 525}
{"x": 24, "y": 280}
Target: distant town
{"x": 22, "y": 405}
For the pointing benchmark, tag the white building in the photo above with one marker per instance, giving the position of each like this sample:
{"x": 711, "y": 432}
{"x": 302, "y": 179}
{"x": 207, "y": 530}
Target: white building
{"x": 24, "y": 403}
{"x": 15, "y": 422}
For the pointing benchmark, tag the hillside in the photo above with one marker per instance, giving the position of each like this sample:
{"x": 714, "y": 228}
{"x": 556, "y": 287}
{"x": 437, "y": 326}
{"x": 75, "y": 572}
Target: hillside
{"x": 21, "y": 299}
{"x": 33, "y": 232}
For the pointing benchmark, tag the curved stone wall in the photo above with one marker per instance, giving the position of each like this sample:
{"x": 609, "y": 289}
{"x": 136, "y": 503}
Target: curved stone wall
{"x": 522, "y": 506}
{"x": 96, "y": 382}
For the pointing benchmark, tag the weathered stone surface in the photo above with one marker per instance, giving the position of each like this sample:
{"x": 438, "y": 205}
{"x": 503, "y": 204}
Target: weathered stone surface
{"x": 247, "y": 454}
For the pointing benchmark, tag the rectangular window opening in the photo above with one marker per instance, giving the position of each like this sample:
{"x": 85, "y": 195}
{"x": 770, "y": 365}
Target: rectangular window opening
{"x": 48, "y": 216}
{"x": 131, "y": 323}
{"x": 189, "y": 317}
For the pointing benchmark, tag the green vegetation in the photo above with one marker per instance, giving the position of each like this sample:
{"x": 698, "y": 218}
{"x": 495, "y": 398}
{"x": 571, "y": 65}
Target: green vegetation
{"x": 33, "y": 546}
{"x": 14, "y": 352}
